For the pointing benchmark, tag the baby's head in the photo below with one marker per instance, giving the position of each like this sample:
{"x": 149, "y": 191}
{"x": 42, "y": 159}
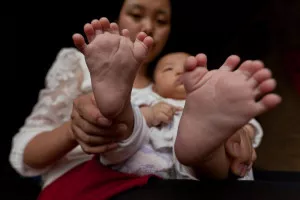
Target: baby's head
{"x": 167, "y": 76}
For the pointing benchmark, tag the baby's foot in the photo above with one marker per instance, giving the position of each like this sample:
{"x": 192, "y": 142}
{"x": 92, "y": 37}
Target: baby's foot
{"x": 219, "y": 102}
{"x": 113, "y": 61}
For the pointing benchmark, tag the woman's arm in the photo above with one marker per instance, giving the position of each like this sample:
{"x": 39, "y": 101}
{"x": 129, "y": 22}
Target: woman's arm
{"x": 45, "y": 136}
{"x": 48, "y": 147}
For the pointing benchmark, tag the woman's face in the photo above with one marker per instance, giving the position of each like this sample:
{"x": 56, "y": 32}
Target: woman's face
{"x": 150, "y": 16}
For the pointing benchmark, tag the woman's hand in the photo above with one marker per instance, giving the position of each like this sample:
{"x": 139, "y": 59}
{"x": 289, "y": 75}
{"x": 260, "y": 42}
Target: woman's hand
{"x": 94, "y": 133}
{"x": 240, "y": 149}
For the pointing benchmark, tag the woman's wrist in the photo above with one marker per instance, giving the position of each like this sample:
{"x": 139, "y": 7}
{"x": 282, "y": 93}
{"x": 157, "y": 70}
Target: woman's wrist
{"x": 69, "y": 134}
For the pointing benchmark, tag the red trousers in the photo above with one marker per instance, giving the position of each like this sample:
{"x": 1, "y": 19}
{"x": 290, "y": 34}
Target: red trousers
{"x": 91, "y": 181}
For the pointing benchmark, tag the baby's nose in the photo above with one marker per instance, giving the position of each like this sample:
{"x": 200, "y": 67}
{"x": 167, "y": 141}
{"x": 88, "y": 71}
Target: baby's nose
{"x": 180, "y": 78}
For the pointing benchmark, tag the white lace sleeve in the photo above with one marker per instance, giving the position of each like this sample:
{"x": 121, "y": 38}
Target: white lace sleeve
{"x": 53, "y": 108}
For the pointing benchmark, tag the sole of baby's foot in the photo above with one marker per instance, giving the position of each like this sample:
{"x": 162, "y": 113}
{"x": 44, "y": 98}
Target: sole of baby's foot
{"x": 113, "y": 61}
{"x": 218, "y": 103}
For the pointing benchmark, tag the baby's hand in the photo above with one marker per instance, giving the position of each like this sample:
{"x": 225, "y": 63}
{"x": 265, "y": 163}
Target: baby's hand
{"x": 159, "y": 113}
{"x": 163, "y": 113}
{"x": 240, "y": 149}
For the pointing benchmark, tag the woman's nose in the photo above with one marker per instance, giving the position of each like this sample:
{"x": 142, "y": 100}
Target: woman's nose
{"x": 148, "y": 27}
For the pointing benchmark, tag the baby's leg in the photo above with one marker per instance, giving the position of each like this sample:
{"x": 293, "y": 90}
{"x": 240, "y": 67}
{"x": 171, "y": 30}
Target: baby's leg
{"x": 113, "y": 61}
{"x": 218, "y": 103}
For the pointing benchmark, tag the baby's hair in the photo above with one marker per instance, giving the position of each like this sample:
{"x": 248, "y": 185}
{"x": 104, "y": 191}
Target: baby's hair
{"x": 151, "y": 69}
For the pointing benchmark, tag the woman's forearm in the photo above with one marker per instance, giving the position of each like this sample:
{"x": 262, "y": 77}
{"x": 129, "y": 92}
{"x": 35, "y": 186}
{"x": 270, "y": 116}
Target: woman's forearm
{"x": 48, "y": 147}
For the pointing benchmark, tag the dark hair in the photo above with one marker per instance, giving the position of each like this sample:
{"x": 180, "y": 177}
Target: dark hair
{"x": 114, "y": 11}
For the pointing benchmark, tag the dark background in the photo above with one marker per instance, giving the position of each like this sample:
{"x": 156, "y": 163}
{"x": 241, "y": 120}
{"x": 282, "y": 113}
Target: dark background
{"x": 266, "y": 30}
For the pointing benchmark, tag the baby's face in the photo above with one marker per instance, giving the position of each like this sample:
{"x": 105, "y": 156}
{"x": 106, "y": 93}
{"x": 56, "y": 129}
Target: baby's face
{"x": 167, "y": 76}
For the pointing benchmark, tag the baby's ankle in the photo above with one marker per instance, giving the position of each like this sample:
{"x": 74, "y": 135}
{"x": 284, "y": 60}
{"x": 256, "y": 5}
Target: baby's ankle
{"x": 127, "y": 118}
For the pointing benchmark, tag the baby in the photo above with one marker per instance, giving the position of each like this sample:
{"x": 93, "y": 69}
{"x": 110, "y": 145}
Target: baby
{"x": 216, "y": 104}
{"x": 162, "y": 106}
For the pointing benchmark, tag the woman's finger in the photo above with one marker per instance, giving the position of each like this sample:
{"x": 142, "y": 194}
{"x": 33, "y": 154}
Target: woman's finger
{"x": 98, "y": 149}
{"x": 84, "y": 124}
{"x": 87, "y": 109}
{"x": 91, "y": 129}
{"x": 246, "y": 149}
{"x": 232, "y": 145}
{"x": 254, "y": 155}
{"x": 90, "y": 140}
{"x": 238, "y": 168}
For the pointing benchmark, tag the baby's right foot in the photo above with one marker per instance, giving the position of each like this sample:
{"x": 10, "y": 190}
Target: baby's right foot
{"x": 219, "y": 102}
{"x": 113, "y": 61}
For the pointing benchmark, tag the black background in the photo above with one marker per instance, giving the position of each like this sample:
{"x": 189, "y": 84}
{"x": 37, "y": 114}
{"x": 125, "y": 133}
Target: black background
{"x": 32, "y": 37}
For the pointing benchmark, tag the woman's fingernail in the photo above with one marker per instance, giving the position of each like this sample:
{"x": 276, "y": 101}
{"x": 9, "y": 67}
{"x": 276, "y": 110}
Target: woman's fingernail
{"x": 104, "y": 121}
{"x": 121, "y": 128}
{"x": 113, "y": 145}
{"x": 243, "y": 169}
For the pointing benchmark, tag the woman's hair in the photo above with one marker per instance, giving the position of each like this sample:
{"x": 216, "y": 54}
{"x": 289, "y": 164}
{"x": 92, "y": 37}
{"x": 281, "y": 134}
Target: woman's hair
{"x": 111, "y": 10}
{"x": 116, "y": 9}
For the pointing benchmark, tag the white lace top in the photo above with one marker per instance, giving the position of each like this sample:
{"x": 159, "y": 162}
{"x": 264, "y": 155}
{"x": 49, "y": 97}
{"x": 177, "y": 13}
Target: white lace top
{"x": 67, "y": 78}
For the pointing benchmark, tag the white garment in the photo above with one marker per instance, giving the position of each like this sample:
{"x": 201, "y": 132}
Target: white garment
{"x": 158, "y": 156}
{"x": 163, "y": 138}
{"x": 67, "y": 78}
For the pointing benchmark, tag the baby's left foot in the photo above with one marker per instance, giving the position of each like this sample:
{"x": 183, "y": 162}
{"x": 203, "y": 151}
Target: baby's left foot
{"x": 219, "y": 102}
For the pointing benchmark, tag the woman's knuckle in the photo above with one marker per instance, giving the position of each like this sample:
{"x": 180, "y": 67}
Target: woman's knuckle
{"x": 85, "y": 126}
{"x": 75, "y": 103}
{"x": 86, "y": 149}
{"x": 106, "y": 147}
{"x": 74, "y": 130}
{"x": 73, "y": 115}
{"x": 86, "y": 139}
